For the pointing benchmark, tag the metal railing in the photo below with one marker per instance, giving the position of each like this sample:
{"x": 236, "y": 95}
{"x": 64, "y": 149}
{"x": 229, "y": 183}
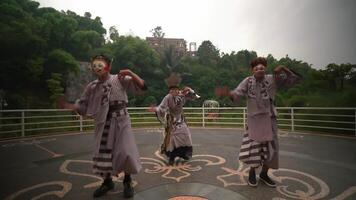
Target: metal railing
{"x": 22, "y": 123}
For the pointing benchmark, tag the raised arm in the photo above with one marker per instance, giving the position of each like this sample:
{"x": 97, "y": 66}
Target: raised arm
{"x": 189, "y": 93}
{"x": 285, "y": 77}
{"x": 80, "y": 106}
{"x": 131, "y": 81}
{"x": 234, "y": 95}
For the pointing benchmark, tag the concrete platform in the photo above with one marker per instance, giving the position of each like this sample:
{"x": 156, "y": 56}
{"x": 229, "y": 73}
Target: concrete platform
{"x": 59, "y": 167}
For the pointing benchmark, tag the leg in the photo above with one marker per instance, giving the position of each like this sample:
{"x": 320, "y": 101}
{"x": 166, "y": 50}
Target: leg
{"x": 128, "y": 189}
{"x": 106, "y": 186}
{"x": 171, "y": 156}
{"x": 252, "y": 177}
{"x": 265, "y": 178}
{"x": 171, "y": 160}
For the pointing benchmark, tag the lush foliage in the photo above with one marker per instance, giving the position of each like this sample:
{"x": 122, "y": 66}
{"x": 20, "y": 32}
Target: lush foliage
{"x": 42, "y": 46}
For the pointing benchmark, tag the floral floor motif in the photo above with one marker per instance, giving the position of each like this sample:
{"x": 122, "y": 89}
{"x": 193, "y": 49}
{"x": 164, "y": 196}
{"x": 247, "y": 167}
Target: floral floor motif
{"x": 291, "y": 184}
{"x": 309, "y": 186}
{"x": 159, "y": 165}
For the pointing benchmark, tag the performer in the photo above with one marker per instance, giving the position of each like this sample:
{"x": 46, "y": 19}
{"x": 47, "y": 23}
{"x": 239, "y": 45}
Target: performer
{"x": 260, "y": 142}
{"x": 177, "y": 141}
{"x": 105, "y": 100}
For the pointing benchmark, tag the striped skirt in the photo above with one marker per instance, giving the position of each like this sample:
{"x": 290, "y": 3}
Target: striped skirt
{"x": 102, "y": 162}
{"x": 255, "y": 154}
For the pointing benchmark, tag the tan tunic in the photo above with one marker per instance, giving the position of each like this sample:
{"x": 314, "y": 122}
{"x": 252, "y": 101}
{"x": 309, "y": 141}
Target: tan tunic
{"x": 260, "y": 142}
{"x": 115, "y": 148}
{"x": 180, "y": 134}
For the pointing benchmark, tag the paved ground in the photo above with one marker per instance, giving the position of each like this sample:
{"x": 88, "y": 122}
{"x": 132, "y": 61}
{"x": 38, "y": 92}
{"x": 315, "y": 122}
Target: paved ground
{"x": 59, "y": 167}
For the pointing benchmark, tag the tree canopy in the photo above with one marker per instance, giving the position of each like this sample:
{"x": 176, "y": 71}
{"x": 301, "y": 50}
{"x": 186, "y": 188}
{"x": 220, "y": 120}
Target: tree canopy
{"x": 42, "y": 46}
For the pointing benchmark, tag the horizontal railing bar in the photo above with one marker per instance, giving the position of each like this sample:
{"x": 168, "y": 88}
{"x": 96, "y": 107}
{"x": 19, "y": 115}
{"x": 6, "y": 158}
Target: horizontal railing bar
{"x": 6, "y": 118}
{"x": 48, "y": 116}
{"x": 325, "y": 127}
{"x": 223, "y": 123}
{"x": 323, "y": 121}
{"x": 17, "y": 124}
{"x": 52, "y": 122}
{"x": 322, "y": 115}
{"x": 13, "y": 131}
{"x": 49, "y": 128}
{"x": 318, "y": 108}
{"x": 143, "y": 117}
{"x": 145, "y": 122}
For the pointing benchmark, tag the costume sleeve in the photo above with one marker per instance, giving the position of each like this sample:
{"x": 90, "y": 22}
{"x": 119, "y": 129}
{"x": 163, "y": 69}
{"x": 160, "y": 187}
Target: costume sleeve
{"x": 240, "y": 90}
{"x": 162, "y": 109}
{"x": 287, "y": 79}
{"x": 83, "y": 101}
{"x": 132, "y": 86}
{"x": 190, "y": 96}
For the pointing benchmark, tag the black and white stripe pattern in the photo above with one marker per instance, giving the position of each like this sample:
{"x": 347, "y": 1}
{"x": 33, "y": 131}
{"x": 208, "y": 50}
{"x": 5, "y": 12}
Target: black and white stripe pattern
{"x": 103, "y": 161}
{"x": 253, "y": 153}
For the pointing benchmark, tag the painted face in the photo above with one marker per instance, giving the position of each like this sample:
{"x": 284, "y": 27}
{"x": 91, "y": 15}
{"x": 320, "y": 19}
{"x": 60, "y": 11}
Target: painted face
{"x": 174, "y": 91}
{"x": 100, "y": 67}
{"x": 259, "y": 71}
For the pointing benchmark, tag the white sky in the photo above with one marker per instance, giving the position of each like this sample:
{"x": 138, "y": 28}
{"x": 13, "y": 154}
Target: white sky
{"x": 316, "y": 31}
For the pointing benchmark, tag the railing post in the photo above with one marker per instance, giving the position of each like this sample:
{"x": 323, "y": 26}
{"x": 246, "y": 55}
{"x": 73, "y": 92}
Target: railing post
{"x": 244, "y": 118}
{"x": 203, "y": 117}
{"x": 80, "y": 123}
{"x": 22, "y": 123}
{"x": 292, "y": 118}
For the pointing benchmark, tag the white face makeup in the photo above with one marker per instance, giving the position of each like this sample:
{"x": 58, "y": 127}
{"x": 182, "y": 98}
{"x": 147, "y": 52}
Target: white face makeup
{"x": 259, "y": 71}
{"x": 99, "y": 67}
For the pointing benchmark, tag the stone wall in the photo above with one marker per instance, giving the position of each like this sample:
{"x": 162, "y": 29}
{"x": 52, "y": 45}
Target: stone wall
{"x": 77, "y": 82}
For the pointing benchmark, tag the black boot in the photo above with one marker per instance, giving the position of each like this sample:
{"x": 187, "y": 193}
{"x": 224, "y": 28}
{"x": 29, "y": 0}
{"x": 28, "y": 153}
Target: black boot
{"x": 106, "y": 186}
{"x": 171, "y": 160}
{"x": 185, "y": 157}
{"x": 128, "y": 189}
{"x": 266, "y": 179}
{"x": 252, "y": 177}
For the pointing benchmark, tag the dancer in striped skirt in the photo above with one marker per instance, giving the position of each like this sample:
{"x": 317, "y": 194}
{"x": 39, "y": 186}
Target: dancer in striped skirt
{"x": 260, "y": 142}
{"x": 105, "y": 100}
{"x": 177, "y": 140}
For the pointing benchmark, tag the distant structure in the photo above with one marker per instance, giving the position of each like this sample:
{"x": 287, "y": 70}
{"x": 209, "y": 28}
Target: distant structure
{"x": 192, "y": 49}
{"x": 179, "y": 45}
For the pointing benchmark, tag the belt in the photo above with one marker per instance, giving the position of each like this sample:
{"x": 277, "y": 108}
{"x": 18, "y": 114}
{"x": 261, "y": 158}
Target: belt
{"x": 117, "y": 108}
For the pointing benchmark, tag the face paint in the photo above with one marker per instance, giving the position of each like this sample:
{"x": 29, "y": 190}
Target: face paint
{"x": 174, "y": 91}
{"x": 100, "y": 67}
{"x": 259, "y": 71}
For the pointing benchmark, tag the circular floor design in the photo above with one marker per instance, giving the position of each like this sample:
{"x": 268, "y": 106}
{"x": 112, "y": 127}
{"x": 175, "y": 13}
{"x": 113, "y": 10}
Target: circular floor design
{"x": 188, "y": 191}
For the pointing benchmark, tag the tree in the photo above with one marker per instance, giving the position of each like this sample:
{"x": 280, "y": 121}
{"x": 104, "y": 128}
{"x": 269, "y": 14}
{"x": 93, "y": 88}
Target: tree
{"x": 87, "y": 15}
{"x": 60, "y": 62}
{"x": 113, "y": 33}
{"x": 208, "y": 54}
{"x": 339, "y": 73}
{"x": 84, "y": 42}
{"x": 55, "y": 87}
{"x": 157, "y": 32}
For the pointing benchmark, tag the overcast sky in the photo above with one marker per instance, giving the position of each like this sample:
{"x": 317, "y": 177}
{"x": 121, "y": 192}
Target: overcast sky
{"x": 316, "y": 31}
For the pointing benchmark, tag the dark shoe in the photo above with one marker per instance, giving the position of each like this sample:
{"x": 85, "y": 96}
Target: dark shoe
{"x": 186, "y": 158}
{"x": 128, "y": 189}
{"x": 171, "y": 161}
{"x": 106, "y": 186}
{"x": 252, "y": 178}
{"x": 264, "y": 177}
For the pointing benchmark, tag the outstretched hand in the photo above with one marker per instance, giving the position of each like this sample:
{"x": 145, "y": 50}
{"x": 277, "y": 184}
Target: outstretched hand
{"x": 152, "y": 108}
{"x": 124, "y": 72}
{"x": 186, "y": 90}
{"x": 62, "y": 104}
{"x": 279, "y": 69}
